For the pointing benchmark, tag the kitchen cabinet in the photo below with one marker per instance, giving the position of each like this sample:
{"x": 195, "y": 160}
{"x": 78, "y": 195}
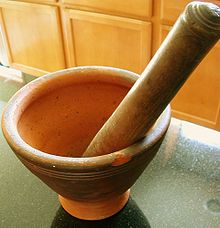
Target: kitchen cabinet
{"x": 33, "y": 36}
{"x": 99, "y": 39}
{"x": 48, "y": 35}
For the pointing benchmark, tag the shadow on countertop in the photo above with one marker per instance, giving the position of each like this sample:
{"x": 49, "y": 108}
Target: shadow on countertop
{"x": 129, "y": 217}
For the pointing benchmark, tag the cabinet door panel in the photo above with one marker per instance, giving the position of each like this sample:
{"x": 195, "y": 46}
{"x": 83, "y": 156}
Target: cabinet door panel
{"x": 98, "y": 39}
{"x": 34, "y": 37}
{"x": 199, "y": 99}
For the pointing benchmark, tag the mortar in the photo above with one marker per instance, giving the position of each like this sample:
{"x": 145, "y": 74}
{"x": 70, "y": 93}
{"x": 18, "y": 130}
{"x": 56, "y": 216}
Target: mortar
{"x": 49, "y": 124}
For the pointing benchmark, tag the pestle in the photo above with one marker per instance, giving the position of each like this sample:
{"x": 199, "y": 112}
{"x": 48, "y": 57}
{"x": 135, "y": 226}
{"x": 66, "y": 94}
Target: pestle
{"x": 193, "y": 35}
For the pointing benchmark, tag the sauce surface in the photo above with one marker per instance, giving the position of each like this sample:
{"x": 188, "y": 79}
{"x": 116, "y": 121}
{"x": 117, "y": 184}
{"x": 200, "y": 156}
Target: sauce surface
{"x": 64, "y": 121}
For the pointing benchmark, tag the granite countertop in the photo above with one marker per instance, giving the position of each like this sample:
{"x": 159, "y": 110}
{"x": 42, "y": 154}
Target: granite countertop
{"x": 180, "y": 188}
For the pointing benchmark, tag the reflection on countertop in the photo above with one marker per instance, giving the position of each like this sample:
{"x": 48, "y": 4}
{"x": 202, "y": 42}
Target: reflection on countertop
{"x": 129, "y": 216}
{"x": 180, "y": 188}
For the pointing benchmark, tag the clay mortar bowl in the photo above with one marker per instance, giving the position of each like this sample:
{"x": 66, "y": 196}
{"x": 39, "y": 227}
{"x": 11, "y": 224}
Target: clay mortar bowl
{"x": 50, "y": 122}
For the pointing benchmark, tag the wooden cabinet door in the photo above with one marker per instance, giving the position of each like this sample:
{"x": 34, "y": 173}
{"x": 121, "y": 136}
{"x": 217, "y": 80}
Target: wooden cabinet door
{"x": 199, "y": 99}
{"x": 33, "y": 36}
{"x": 99, "y": 39}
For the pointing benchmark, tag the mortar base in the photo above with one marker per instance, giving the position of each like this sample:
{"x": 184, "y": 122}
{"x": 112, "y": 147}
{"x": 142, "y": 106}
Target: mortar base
{"x": 94, "y": 210}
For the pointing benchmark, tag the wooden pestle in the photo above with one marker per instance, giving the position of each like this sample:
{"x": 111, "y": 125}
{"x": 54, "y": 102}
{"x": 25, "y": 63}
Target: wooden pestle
{"x": 193, "y": 35}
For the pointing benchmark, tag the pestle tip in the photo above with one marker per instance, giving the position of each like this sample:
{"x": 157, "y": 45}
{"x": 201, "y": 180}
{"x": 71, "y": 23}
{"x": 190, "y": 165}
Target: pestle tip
{"x": 205, "y": 14}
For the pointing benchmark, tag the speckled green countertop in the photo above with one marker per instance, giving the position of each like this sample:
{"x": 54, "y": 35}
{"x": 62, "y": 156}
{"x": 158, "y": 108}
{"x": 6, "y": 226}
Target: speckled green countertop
{"x": 180, "y": 188}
